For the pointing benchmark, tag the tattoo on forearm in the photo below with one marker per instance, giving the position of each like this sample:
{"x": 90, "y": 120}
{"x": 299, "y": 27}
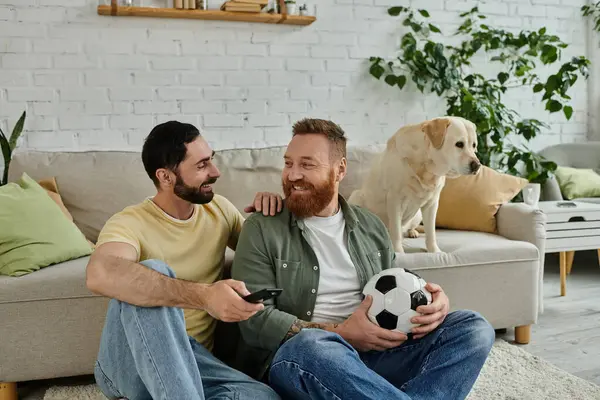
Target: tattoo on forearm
{"x": 298, "y": 325}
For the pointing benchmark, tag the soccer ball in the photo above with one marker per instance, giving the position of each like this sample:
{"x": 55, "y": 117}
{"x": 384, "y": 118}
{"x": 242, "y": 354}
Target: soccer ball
{"x": 396, "y": 292}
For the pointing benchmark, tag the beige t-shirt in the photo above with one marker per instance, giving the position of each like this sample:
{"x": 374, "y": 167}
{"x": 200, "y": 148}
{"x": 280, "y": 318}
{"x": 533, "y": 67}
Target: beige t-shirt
{"x": 193, "y": 248}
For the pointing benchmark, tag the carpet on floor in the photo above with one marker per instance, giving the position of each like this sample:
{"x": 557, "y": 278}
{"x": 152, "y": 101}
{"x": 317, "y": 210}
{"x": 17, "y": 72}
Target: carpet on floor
{"x": 510, "y": 373}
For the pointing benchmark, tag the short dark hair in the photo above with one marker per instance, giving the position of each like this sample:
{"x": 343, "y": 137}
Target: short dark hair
{"x": 329, "y": 129}
{"x": 165, "y": 147}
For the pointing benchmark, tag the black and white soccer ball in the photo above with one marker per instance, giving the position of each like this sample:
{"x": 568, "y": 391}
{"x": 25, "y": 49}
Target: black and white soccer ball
{"x": 396, "y": 292}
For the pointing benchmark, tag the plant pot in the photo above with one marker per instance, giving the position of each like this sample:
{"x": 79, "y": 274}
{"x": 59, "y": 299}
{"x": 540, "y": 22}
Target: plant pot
{"x": 290, "y": 8}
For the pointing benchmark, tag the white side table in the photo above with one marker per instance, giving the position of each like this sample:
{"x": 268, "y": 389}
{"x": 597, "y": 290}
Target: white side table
{"x": 569, "y": 229}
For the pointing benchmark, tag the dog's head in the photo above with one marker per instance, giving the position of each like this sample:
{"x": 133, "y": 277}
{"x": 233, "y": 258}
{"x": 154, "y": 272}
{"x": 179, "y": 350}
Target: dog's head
{"x": 453, "y": 145}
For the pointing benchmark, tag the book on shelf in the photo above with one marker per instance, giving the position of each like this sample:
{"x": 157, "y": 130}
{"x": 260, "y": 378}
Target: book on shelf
{"x": 240, "y": 6}
{"x": 185, "y": 4}
{"x": 261, "y": 3}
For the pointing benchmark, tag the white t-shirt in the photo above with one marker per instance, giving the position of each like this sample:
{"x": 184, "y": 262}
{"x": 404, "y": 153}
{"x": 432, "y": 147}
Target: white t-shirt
{"x": 339, "y": 292}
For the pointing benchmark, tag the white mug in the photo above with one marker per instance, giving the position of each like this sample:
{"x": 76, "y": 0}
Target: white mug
{"x": 531, "y": 194}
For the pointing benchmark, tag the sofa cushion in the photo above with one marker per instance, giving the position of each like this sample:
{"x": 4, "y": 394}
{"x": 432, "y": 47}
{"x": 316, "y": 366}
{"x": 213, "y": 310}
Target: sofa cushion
{"x": 93, "y": 185}
{"x": 62, "y": 281}
{"x": 470, "y": 202}
{"x": 38, "y": 233}
{"x": 463, "y": 248}
{"x": 578, "y": 182}
{"x": 52, "y": 189}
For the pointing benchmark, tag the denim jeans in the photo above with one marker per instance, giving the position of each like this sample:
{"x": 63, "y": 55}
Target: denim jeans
{"x": 316, "y": 364}
{"x": 145, "y": 353}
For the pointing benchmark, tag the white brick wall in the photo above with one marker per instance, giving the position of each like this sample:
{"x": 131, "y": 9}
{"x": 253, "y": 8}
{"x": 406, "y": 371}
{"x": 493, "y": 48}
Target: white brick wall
{"x": 95, "y": 82}
{"x": 593, "y": 45}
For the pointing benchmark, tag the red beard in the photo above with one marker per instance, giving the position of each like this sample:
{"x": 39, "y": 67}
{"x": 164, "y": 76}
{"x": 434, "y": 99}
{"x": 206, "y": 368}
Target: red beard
{"x": 311, "y": 201}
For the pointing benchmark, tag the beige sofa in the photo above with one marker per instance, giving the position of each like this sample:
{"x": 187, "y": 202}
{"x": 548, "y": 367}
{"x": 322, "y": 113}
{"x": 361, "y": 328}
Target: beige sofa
{"x": 51, "y": 323}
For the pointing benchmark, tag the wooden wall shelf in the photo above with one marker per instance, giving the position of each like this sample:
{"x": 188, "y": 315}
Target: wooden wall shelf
{"x": 216, "y": 15}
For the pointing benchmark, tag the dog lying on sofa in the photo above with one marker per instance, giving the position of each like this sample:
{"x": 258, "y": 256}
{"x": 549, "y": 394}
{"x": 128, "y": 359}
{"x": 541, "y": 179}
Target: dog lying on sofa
{"x": 404, "y": 183}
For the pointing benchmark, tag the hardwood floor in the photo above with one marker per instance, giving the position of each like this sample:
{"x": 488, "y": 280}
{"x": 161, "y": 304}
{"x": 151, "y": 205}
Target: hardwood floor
{"x": 566, "y": 335}
{"x": 568, "y": 332}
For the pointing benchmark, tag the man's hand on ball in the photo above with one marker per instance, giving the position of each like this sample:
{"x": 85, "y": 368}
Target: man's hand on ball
{"x": 433, "y": 314}
{"x": 364, "y": 335}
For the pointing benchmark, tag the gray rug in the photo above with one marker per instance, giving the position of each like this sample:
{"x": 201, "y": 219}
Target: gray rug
{"x": 510, "y": 373}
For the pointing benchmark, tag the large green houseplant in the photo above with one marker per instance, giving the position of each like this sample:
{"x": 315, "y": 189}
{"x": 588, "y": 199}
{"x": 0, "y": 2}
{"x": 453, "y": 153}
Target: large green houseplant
{"x": 8, "y": 145}
{"x": 448, "y": 72}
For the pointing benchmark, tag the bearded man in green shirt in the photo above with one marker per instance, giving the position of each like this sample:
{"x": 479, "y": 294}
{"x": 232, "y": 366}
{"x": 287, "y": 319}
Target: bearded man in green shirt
{"x": 315, "y": 340}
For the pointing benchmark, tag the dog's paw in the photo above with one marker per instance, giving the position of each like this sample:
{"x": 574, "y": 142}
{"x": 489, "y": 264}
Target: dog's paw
{"x": 413, "y": 233}
{"x": 433, "y": 248}
{"x": 398, "y": 247}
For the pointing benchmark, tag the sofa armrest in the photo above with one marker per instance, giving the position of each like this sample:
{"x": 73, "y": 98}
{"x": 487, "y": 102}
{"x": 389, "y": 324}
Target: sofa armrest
{"x": 519, "y": 221}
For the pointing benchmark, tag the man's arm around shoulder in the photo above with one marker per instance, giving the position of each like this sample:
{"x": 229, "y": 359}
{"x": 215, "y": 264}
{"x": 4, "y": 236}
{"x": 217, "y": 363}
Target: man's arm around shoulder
{"x": 113, "y": 271}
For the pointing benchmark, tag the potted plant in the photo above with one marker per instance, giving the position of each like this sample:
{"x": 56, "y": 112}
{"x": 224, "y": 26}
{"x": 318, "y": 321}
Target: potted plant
{"x": 448, "y": 72}
{"x": 9, "y": 144}
{"x": 290, "y": 6}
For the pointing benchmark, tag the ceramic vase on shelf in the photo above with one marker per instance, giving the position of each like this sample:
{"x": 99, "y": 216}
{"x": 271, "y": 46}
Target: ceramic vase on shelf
{"x": 290, "y": 7}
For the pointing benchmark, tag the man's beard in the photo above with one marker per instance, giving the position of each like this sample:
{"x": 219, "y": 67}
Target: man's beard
{"x": 190, "y": 193}
{"x": 313, "y": 200}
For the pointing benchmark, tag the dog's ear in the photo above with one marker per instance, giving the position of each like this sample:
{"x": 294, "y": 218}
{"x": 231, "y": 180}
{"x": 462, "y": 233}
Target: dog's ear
{"x": 435, "y": 130}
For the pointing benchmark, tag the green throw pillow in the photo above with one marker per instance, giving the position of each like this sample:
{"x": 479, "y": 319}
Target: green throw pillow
{"x": 34, "y": 232}
{"x": 578, "y": 182}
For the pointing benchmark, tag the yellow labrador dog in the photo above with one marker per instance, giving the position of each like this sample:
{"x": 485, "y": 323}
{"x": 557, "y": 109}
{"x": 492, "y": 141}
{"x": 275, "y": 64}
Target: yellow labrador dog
{"x": 405, "y": 181}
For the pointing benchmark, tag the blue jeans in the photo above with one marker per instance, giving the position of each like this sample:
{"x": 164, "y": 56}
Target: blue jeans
{"x": 145, "y": 353}
{"x": 316, "y": 364}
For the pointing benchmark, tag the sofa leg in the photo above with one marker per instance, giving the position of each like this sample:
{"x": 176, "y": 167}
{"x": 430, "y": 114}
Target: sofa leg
{"x": 523, "y": 334}
{"x": 8, "y": 391}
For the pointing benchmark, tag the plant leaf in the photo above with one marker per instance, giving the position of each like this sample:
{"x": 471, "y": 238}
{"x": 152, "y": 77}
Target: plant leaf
{"x": 17, "y": 131}
{"x": 395, "y": 11}
{"x": 434, "y": 28}
{"x": 424, "y": 13}
{"x": 568, "y": 110}
{"x": 553, "y": 106}
{"x": 401, "y": 81}
{"x": 538, "y": 87}
{"x": 503, "y": 77}
{"x": 6, "y": 156}
{"x": 377, "y": 71}
{"x": 415, "y": 27}
{"x": 391, "y": 79}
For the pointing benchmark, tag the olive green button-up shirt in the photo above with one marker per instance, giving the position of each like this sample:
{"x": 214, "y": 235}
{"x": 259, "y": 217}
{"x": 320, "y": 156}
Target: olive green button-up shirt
{"x": 273, "y": 253}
